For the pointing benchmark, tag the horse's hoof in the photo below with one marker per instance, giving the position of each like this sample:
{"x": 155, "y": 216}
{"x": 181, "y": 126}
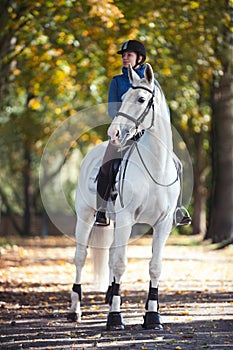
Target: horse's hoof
{"x": 115, "y": 321}
{"x": 152, "y": 320}
{"x": 73, "y": 317}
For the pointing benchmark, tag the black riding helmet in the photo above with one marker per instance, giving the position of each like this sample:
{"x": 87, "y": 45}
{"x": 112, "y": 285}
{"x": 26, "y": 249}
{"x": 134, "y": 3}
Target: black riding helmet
{"x": 135, "y": 46}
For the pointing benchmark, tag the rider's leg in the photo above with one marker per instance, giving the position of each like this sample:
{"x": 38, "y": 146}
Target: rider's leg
{"x": 182, "y": 216}
{"x": 103, "y": 193}
{"x": 104, "y": 183}
{"x": 107, "y": 175}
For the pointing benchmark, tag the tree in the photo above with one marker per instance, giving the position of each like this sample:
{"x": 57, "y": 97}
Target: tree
{"x": 50, "y": 67}
{"x": 185, "y": 74}
{"x": 221, "y": 218}
{"x": 191, "y": 49}
{"x": 57, "y": 58}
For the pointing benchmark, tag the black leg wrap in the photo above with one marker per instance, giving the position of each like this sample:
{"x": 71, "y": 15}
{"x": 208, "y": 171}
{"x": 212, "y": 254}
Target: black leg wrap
{"x": 115, "y": 321}
{"x": 77, "y": 289}
{"x": 152, "y": 320}
{"x": 72, "y": 317}
{"x": 108, "y": 295}
{"x": 114, "y": 289}
{"x": 153, "y": 295}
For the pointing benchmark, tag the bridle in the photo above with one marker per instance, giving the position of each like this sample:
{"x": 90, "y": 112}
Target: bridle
{"x": 141, "y": 118}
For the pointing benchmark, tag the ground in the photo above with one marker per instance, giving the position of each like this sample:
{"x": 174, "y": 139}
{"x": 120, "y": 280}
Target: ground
{"x": 195, "y": 297}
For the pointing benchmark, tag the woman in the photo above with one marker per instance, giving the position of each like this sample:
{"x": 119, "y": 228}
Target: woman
{"x": 133, "y": 52}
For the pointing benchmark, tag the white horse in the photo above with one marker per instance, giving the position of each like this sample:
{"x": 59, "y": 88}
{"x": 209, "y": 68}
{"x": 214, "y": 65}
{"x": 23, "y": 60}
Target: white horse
{"x": 148, "y": 188}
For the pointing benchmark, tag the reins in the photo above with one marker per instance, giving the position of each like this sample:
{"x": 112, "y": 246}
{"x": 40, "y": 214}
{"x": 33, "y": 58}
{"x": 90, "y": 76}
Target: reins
{"x": 135, "y": 145}
{"x": 155, "y": 181}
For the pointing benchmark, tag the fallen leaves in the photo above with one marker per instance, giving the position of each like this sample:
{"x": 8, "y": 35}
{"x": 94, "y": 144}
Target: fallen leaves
{"x": 194, "y": 297}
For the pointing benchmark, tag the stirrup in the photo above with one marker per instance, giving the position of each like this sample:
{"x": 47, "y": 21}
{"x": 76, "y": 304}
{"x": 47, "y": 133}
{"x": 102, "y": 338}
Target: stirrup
{"x": 185, "y": 219}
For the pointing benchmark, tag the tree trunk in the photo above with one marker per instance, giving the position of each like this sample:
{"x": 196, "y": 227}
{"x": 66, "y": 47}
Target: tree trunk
{"x": 199, "y": 191}
{"x": 27, "y": 192}
{"x": 200, "y": 174}
{"x": 221, "y": 214}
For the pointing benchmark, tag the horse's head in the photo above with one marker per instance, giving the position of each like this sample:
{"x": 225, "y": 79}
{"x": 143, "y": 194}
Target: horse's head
{"x": 136, "y": 111}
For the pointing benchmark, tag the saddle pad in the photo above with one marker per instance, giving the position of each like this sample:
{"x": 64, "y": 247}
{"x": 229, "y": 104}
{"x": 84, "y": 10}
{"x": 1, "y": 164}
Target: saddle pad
{"x": 92, "y": 183}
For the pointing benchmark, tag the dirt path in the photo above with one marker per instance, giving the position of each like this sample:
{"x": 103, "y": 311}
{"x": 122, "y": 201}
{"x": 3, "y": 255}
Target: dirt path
{"x": 195, "y": 298}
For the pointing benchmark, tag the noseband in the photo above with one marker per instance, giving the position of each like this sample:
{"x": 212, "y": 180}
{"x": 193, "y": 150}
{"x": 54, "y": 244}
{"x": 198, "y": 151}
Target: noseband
{"x": 145, "y": 112}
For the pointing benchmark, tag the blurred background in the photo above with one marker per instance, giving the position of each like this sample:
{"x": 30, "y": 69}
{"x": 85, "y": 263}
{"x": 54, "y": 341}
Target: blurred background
{"x": 58, "y": 57}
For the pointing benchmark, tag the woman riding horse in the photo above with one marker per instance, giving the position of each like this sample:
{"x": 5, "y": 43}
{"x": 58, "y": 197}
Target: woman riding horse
{"x": 148, "y": 187}
{"x": 133, "y": 52}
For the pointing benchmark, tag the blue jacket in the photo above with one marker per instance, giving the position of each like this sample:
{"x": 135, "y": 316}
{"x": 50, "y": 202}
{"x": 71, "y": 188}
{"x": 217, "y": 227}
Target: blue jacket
{"x": 119, "y": 85}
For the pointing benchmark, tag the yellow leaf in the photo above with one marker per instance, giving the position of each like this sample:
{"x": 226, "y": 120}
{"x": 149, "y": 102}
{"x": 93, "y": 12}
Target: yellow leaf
{"x": 34, "y": 104}
{"x": 183, "y": 313}
{"x": 16, "y": 71}
{"x": 61, "y": 262}
{"x": 166, "y": 71}
{"x": 26, "y": 310}
{"x": 194, "y": 5}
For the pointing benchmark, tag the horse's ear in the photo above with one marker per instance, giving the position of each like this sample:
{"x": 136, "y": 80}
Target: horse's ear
{"x": 133, "y": 77}
{"x": 149, "y": 74}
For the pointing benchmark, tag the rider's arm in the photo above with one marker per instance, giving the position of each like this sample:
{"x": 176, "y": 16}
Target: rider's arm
{"x": 113, "y": 102}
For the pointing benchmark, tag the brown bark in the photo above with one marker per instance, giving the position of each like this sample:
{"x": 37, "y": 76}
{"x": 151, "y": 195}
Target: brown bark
{"x": 221, "y": 215}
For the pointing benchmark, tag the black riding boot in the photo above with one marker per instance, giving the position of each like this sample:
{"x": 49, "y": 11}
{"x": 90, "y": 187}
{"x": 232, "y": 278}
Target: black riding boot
{"x": 103, "y": 193}
{"x": 106, "y": 179}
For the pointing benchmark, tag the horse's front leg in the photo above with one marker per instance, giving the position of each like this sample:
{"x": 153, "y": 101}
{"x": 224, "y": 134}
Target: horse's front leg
{"x": 115, "y": 320}
{"x": 152, "y": 318}
{"x": 119, "y": 263}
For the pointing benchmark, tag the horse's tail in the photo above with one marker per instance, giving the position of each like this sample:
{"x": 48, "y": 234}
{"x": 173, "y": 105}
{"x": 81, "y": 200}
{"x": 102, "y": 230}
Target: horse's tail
{"x": 100, "y": 241}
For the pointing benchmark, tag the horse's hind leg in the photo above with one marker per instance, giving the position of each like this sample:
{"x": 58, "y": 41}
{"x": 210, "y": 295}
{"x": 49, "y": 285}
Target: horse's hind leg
{"x": 76, "y": 293}
{"x": 152, "y": 319}
{"x": 83, "y": 230}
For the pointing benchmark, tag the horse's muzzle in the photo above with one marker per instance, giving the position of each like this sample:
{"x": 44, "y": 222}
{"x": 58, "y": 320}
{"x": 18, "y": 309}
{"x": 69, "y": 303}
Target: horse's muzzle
{"x": 119, "y": 136}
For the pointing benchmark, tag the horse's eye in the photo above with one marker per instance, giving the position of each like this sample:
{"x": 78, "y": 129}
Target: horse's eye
{"x": 141, "y": 99}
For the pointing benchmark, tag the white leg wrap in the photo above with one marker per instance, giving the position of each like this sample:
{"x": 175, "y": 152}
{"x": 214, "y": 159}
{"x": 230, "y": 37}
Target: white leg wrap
{"x": 75, "y": 303}
{"x": 116, "y": 304}
{"x": 153, "y": 305}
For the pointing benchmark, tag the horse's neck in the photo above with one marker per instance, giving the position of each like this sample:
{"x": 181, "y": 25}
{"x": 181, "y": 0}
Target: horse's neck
{"x": 161, "y": 119}
{"x": 158, "y": 139}
{"x": 157, "y": 157}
